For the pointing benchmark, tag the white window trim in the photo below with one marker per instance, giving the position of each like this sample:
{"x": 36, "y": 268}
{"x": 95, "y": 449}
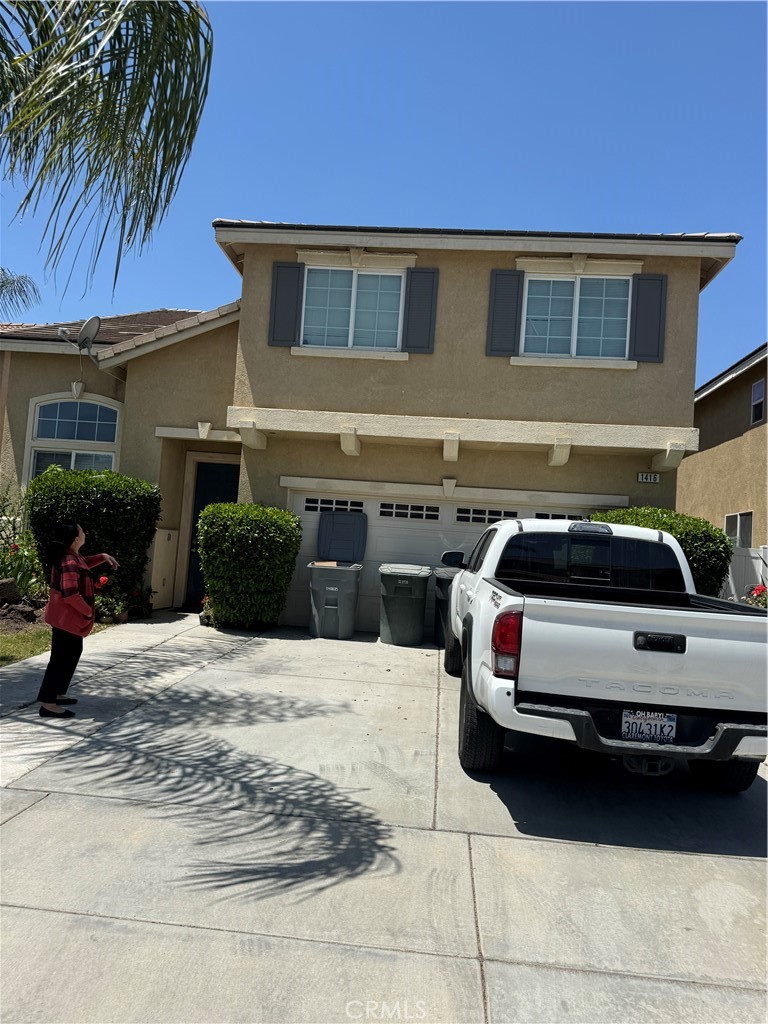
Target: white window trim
{"x": 577, "y": 279}
{"x": 752, "y": 421}
{"x": 738, "y": 516}
{"x": 350, "y": 353}
{"x": 350, "y": 347}
{"x": 50, "y": 444}
{"x": 356, "y": 257}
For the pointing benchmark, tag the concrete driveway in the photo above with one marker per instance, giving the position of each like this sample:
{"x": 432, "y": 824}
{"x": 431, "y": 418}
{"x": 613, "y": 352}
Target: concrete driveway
{"x": 271, "y": 828}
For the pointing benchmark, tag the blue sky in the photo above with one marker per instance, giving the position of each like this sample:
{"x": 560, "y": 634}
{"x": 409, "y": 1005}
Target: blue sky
{"x": 628, "y": 117}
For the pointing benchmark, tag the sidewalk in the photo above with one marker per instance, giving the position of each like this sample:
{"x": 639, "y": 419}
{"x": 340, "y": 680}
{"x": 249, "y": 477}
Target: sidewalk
{"x": 271, "y": 828}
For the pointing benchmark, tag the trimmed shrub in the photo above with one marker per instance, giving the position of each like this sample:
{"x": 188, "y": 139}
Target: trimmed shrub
{"x": 19, "y": 559}
{"x": 707, "y": 549}
{"x": 247, "y": 554}
{"x": 118, "y": 513}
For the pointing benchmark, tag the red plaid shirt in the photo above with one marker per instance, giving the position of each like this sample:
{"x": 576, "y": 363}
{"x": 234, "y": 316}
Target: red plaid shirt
{"x": 71, "y": 603}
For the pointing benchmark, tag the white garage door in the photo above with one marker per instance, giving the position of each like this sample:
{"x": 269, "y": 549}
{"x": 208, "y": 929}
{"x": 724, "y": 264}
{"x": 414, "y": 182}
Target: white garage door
{"x": 399, "y": 530}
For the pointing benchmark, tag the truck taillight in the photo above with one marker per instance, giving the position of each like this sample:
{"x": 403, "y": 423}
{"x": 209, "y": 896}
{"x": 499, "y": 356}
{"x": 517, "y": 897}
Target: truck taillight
{"x": 505, "y": 643}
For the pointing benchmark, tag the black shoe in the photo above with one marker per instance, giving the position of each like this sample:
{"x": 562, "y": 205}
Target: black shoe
{"x": 65, "y": 700}
{"x": 45, "y": 713}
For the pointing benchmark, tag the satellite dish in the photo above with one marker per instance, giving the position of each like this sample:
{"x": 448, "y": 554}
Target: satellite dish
{"x": 87, "y": 333}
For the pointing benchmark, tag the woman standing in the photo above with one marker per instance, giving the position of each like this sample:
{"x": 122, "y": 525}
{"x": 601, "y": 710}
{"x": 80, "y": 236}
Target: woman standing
{"x": 70, "y": 612}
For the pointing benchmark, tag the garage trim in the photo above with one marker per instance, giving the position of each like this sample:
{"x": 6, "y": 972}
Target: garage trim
{"x": 435, "y": 492}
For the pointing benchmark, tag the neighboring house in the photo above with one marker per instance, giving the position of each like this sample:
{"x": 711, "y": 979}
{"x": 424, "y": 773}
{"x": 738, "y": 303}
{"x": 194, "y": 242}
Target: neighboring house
{"x": 725, "y": 481}
{"x": 435, "y": 379}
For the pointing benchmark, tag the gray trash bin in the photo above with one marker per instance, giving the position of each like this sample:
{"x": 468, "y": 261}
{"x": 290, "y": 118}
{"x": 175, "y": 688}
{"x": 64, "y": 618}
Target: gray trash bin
{"x": 403, "y": 602}
{"x": 443, "y": 580}
{"x": 334, "y": 579}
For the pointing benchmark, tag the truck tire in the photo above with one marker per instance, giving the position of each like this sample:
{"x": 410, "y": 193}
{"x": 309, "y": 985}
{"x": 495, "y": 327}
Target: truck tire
{"x": 452, "y": 658}
{"x": 481, "y": 740}
{"x": 724, "y": 776}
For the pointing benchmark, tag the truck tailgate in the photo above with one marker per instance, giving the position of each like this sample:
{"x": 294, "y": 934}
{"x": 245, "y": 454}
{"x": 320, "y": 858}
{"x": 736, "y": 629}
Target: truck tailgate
{"x": 584, "y": 649}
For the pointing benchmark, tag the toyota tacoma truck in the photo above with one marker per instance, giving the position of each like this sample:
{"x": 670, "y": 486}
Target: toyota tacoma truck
{"x": 594, "y": 634}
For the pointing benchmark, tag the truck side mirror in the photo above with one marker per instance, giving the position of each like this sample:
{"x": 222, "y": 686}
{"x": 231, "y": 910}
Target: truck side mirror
{"x": 454, "y": 559}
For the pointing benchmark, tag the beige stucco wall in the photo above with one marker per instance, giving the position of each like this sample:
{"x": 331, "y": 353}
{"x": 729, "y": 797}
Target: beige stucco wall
{"x": 32, "y": 375}
{"x": 727, "y": 412}
{"x": 729, "y": 478}
{"x": 177, "y": 386}
{"x": 459, "y": 379}
{"x": 593, "y": 474}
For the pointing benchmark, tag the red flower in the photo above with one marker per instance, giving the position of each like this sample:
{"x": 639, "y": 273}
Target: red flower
{"x": 759, "y": 589}
{"x": 14, "y": 547}
{"x": 101, "y": 582}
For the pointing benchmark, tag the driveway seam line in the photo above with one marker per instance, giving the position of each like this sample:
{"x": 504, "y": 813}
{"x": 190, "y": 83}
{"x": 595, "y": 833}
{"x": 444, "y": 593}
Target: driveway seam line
{"x": 43, "y": 796}
{"x": 468, "y": 957}
{"x": 476, "y": 912}
{"x": 13, "y": 787}
{"x": 437, "y": 749}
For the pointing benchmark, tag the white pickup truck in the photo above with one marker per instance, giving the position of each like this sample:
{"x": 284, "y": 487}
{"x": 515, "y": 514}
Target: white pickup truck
{"x": 594, "y": 634}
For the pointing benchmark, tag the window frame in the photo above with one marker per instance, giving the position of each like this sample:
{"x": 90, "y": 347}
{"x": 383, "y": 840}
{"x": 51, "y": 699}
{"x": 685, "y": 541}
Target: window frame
{"x": 72, "y": 446}
{"x": 350, "y": 347}
{"x": 742, "y": 518}
{"x": 754, "y": 420}
{"x": 577, "y": 279}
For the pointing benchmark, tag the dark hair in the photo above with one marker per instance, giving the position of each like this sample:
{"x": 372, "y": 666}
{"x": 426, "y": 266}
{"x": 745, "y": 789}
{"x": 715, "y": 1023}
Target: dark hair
{"x": 63, "y": 535}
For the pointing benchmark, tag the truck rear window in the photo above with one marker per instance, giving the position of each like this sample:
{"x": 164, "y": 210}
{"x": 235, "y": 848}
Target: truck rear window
{"x": 591, "y": 559}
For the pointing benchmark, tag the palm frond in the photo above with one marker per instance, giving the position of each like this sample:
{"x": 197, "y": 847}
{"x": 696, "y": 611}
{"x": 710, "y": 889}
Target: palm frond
{"x": 100, "y": 103}
{"x": 17, "y": 293}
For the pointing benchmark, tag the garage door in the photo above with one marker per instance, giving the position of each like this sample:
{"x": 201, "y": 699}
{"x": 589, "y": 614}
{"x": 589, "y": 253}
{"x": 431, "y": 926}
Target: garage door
{"x": 399, "y": 530}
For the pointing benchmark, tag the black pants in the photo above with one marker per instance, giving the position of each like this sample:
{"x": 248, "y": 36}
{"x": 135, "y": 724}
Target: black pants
{"x": 66, "y": 649}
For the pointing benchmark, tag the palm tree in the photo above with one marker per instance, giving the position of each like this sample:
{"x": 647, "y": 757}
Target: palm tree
{"x": 17, "y": 293}
{"x": 99, "y": 106}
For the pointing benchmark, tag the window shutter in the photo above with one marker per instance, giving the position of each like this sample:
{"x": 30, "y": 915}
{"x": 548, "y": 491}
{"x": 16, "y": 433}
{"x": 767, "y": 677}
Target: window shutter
{"x": 285, "y": 310}
{"x": 505, "y": 310}
{"x": 420, "y": 309}
{"x": 649, "y": 308}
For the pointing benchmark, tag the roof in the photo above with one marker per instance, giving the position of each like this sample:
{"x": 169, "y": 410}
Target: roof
{"x": 483, "y": 232}
{"x": 190, "y": 326}
{"x": 113, "y": 329}
{"x": 714, "y": 250}
{"x": 733, "y": 371}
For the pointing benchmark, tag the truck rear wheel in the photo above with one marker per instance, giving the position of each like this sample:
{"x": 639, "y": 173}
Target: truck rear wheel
{"x": 452, "y": 658}
{"x": 481, "y": 740}
{"x": 724, "y": 776}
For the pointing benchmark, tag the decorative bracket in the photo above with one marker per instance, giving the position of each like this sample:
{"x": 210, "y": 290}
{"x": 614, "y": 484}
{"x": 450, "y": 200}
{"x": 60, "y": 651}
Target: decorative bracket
{"x": 449, "y": 486}
{"x": 451, "y": 446}
{"x": 251, "y": 437}
{"x": 203, "y": 430}
{"x": 560, "y": 452}
{"x": 350, "y": 442}
{"x": 669, "y": 459}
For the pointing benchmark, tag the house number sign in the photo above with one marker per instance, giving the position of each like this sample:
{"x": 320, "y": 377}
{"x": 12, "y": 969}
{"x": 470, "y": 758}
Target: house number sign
{"x": 648, "y": 478}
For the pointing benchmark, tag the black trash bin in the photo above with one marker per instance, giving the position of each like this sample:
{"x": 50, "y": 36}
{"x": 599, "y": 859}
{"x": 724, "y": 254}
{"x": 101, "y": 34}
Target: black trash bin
{"x": 403, "y": 603}
{"x": 334, "y": 580}
{"x": 443, "y": 580}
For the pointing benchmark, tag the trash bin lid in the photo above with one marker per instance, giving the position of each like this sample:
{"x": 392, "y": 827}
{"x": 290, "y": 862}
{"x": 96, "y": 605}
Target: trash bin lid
{"x": 445, "y": 573}
{"x": 341, "y": 536}
{"x": 398, "y": 569}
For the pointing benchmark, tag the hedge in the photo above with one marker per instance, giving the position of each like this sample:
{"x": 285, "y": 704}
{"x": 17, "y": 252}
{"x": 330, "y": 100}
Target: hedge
{"x": 118, "y": 513}
{"x": 247, "y": 555}
{"x": 707, "y": 549}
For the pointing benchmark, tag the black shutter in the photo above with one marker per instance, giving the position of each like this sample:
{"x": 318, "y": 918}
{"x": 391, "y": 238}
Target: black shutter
{"x": 285, "y": 310}
{"x": 420, "y": 309}
{"x": 647, "y": 318}
{"x": 505, "y": 310}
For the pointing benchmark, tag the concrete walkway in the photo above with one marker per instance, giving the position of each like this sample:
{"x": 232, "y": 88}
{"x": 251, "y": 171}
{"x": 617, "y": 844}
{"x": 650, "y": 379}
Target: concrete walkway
{"x": 270, "y": 828}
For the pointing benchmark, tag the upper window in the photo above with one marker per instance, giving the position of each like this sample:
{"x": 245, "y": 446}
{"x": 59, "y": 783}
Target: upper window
{"x": 352, "y": 309}
{"x": 738, "y": 526}
{"x": 73, "y": 435}
{"x": 758, "y": 401}
{"x": 576, "y": 316}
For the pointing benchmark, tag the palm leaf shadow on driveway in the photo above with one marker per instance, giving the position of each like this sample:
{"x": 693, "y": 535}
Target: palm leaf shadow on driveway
{"x": 279, "y": 829}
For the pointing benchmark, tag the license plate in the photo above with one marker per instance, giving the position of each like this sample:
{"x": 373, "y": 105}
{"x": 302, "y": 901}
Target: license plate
{"x": 648, "y": 726}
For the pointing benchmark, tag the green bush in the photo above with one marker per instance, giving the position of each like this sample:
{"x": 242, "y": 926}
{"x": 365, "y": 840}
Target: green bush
{"x": 118, "y": 513}
{"x": 247, "y": 554}
{"x": 707, "y": 548}
{"x": 19, "y": 559}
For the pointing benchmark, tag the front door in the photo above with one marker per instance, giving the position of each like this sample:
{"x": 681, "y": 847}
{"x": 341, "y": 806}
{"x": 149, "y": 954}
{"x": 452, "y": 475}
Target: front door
{"x": 214, "y": 482}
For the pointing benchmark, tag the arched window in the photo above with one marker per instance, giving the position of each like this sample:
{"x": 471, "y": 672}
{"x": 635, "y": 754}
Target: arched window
{"x": 73, "y": 434}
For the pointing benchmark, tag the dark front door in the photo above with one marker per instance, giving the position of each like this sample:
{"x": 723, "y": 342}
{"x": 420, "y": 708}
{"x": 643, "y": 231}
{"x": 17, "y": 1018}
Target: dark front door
{"x": 214, "y": 482}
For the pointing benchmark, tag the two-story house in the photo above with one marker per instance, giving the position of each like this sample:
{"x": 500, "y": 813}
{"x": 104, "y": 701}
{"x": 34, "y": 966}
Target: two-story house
{"x": 434, "y": 379}
{"x": 724, "y": 481}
